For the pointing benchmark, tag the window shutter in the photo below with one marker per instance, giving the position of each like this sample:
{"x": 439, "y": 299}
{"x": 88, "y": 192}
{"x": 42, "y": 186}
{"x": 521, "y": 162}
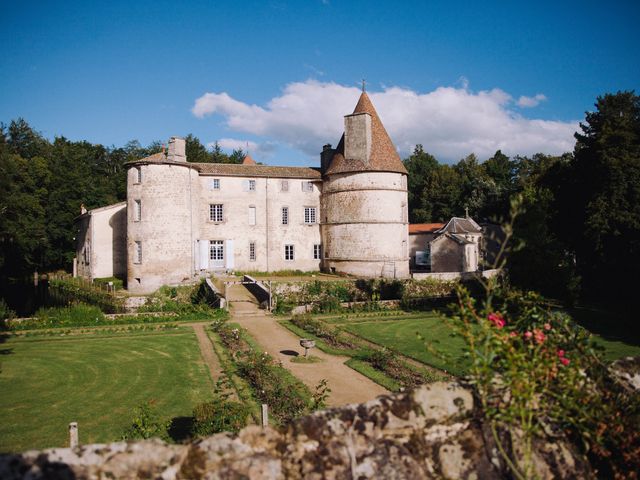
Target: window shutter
{"x": 204, "y": 254}
{"x": 245, "y": 185}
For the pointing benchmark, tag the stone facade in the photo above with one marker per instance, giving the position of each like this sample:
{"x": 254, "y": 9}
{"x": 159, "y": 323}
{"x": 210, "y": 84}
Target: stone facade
{"x": 101, "y": 249}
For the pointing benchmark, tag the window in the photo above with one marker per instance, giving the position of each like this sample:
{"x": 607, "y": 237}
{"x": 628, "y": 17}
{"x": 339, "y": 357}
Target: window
{"x": 216, "y": 250}
{"x": 288, "y": 252}
{"x": 285, "y": 215}
{"x": 309, "y": 215}
{"x": 215, "y": 212}
{"x": 252, "y": 215}
{"x": 252, "y": 185}
{"x": 137, "y": 252}
{"x": 138, "y": 175}
{"x": 215, "y": 184}
{"x": 137, "y": 210}
{"x": 252, "y": 252}
{"x": 317, "y": 251}
{"x": 307, "y": 186}
{"x": 284, "y": 186}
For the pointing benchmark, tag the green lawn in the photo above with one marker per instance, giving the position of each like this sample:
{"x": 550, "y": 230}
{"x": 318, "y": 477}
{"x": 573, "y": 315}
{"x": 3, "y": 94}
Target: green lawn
{"x": 97, "y": 381}
{"x": 401, "y": 334}
{"x": 437, "y": 348}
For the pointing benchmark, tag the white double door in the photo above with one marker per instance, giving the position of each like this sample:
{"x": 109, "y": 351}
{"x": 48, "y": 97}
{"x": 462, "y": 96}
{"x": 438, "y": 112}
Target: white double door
{"x": 220, "y": 254}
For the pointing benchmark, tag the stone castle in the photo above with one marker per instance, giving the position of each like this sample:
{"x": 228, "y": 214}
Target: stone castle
{"x": 350, "y": 216}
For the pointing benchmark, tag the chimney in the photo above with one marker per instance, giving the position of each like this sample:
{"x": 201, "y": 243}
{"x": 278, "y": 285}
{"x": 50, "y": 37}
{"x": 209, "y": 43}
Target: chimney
{"x": 357, "y": 137}
{"x": 326, "y": 156}
{"x": 176, "y": 150}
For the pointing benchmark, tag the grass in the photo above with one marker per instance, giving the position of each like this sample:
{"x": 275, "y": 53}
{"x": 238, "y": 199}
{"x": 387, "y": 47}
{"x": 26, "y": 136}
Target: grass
{"x": 376, "y": 375}
{"x": 309, "y": 359}
{"x": 96, "y": 381}
{"x": 439, "y": 348}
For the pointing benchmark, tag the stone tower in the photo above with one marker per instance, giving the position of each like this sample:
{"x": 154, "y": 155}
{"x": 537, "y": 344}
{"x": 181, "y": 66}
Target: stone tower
{"x": 162, "y": 204}
{"x": 364, "y": 200}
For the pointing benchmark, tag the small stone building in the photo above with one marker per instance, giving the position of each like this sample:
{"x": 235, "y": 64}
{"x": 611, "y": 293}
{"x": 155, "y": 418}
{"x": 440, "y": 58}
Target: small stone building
{"x": 451, "y": 247}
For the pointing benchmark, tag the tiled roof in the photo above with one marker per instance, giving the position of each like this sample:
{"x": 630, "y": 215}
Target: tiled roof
{"x": 248, "y": 160}
{"x": 461, "y": 225}
{"x": 384, "y": 156}
{"x": 235, "y": 170}
{"x": 424, "y": 227}
{"x": 231, "y": 169}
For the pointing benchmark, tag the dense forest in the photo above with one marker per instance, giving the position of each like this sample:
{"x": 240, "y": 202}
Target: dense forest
{"x": 576, "y": 236}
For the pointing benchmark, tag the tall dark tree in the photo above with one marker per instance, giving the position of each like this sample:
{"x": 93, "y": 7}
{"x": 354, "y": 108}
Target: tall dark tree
{"x": 420, "y": 167}
{"x": 196, "y": 151}
{"x": 600, "y": 199}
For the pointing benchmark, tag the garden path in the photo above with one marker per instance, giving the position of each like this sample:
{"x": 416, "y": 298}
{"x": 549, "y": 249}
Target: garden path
{"x": 206, "y": 351}
{"x": 347, "y": 385}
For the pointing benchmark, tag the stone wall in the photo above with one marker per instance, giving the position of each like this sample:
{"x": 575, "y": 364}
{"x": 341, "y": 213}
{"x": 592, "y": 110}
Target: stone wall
{"x": 365, "y": 225}
{"x": 432, "y": 432}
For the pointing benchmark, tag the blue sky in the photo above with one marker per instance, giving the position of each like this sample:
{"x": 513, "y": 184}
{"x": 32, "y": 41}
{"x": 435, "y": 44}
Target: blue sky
{"x": 458, "y": 77}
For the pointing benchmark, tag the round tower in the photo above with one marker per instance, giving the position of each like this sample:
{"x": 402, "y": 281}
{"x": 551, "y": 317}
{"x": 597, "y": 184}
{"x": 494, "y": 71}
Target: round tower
{"x": 364, "y": 200}
{"x": 161, "y": 195}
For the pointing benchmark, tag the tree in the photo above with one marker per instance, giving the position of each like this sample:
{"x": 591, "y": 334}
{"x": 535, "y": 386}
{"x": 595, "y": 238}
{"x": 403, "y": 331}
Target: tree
{"x": 601, "y": 201}
{"x": 196, "y": 151}
{"x": 476, "y": 187}
{"x": 420, "y": 167}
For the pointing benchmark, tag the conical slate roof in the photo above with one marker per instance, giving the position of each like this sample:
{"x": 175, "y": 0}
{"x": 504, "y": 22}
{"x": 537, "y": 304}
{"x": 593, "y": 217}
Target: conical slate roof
{"x": 384, "y": 157}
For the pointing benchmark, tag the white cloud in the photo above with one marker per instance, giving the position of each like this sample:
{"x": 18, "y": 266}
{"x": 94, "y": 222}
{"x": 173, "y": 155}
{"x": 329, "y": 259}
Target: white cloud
{"x": 450, "y": 122}
{"x": 534, "y": 101}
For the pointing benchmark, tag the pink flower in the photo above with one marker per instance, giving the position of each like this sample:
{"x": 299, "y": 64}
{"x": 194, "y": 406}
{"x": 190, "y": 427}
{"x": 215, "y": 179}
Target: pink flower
{"x": 497, "y": 319}
{"x": 528, "y": 335}
{"x": 560, "y": 353}
{"x": 564, "y": 361}
{"x": 547, "y": 326}
{"x": 539, "y": 336}
{"x": 513, "y": 334}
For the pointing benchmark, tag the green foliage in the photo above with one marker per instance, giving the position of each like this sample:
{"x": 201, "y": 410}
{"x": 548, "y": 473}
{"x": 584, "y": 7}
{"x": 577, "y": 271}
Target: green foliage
{"x": 332, "y": 336}
{"x": 221, "y": 414}
{"x": 286, "y": 396}
{"x": 146, "y": 423}
{"x": 73, "y": 316}
{"x": 79, "y": 290}
{"x": 386, "y": 361}
{"x": 5, "y": 313}
{"x": 184, "y": 300}
{"x": 598, "y": 198}
{"x": 537, "y": 371}
{"x": 117, "y": 282}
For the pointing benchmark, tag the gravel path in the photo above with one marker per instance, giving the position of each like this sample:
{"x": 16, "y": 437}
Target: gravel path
{"x": 347, "y": 385}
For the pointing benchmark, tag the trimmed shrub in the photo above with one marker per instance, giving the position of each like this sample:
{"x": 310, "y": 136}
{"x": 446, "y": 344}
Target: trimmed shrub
{"x": 219, "y": 415}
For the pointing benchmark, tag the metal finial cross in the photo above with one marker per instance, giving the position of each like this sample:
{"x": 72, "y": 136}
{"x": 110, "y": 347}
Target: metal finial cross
{"x": 364, "y": 85}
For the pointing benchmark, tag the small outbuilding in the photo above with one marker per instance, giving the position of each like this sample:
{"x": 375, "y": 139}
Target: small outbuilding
{"x": 450, "y": 247}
